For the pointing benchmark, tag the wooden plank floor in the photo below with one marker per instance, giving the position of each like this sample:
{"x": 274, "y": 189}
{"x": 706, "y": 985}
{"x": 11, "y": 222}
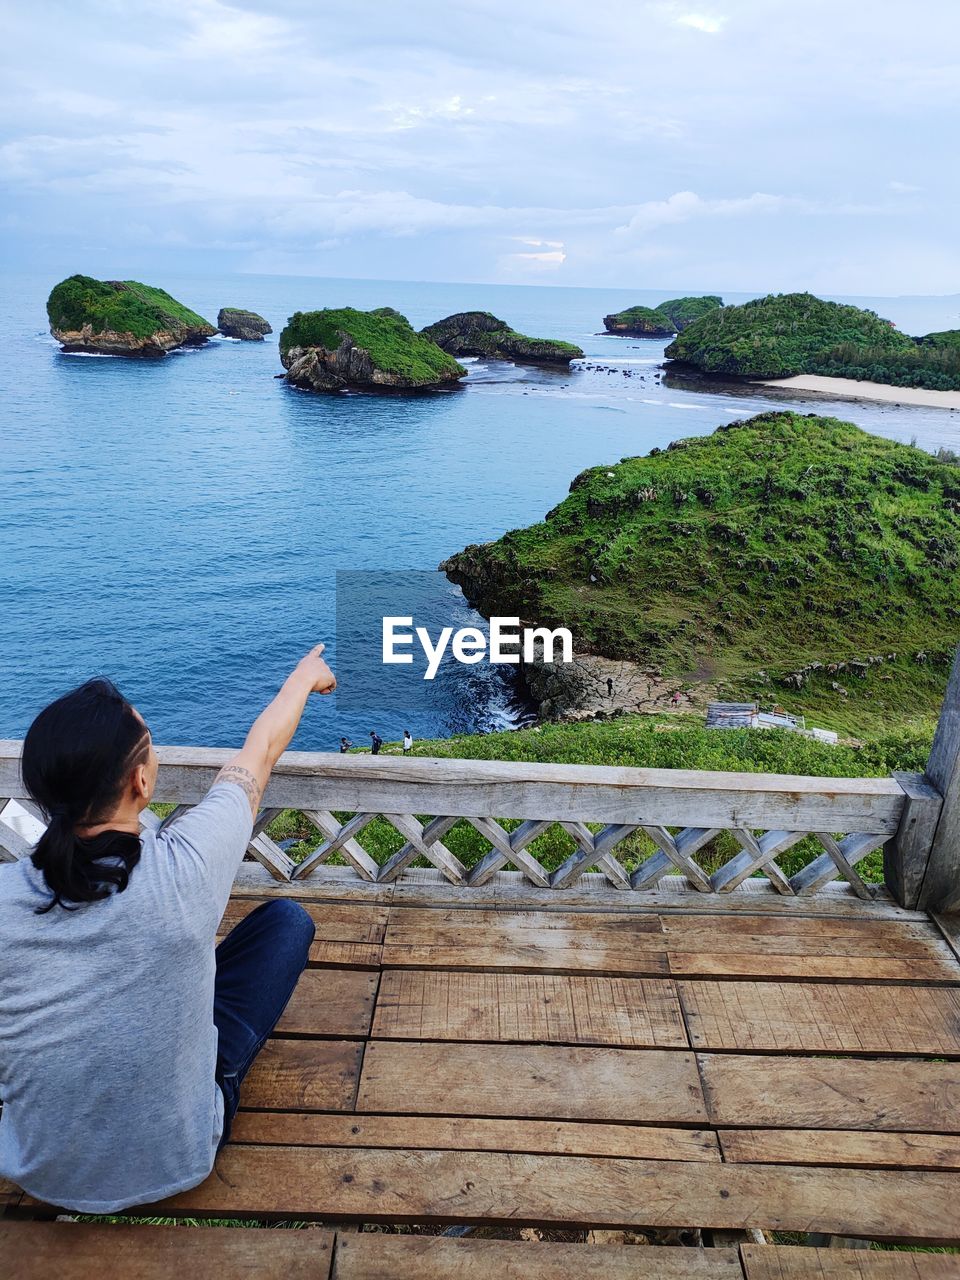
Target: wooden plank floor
{"x": 780, "y": 1068}
{"x": 37, "y": 1250}
{"x": 85, "y": 1251}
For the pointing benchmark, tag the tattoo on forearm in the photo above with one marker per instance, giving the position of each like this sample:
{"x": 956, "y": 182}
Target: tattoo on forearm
{"x": 245, "y": 779}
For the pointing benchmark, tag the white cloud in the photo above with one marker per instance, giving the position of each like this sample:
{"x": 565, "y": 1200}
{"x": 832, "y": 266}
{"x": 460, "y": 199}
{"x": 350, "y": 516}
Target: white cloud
{"x": 684, "y": 205}
{"x": 534, "y": 264}
{"x": 409, "y": 116}
{"x": 538, "y": 244}
{"x": 223, "y": 32}
{"x": 702, "y": 22}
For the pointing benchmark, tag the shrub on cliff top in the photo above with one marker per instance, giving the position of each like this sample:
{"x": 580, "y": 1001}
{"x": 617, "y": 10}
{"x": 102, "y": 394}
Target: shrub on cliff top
{"x": 683, "y": 311}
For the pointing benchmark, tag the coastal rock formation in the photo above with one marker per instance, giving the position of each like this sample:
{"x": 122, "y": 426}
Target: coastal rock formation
{"x": 121, "y": 317}
{"x": 478, "y": 333}
{"x": 701, "y": 563}
{"x": 234, "y": 322}
{"x": 336, "y": 350}
{"x": 662, "y": 321}
{"x": 640, "y": 322}
{"x": 592, "y": 686}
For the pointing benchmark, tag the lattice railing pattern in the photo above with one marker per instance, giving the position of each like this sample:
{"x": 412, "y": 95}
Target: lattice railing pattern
{"x": 633, "y": 830}
{"x": 674, "y": 852}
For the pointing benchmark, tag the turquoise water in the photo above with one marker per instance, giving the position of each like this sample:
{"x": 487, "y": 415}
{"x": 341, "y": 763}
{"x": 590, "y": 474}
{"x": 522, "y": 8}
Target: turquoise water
{"x": 177, "y": 524}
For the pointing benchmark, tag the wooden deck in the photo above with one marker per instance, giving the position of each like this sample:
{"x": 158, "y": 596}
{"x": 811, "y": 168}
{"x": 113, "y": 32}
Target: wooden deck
{"x": 552, "y": 1056}
{"x": 781, "y": 1068}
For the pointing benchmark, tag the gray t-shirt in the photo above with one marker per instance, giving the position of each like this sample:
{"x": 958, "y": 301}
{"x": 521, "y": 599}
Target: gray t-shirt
{"x": 107, "y": 1042}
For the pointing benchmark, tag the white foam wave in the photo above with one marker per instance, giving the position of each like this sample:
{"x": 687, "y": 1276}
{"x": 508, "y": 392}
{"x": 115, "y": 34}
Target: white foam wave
{"x": 616, "y": 361}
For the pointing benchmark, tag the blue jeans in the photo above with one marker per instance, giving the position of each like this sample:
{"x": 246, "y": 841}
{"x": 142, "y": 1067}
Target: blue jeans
{"x": 258, "y": 966}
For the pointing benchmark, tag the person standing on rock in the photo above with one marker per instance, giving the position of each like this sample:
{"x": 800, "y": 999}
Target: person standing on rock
{"x": 345, "y": 745}
{"x": 376, "y": 742}
{"x": 609, "y": 687}
{"x": 407, "y": 741}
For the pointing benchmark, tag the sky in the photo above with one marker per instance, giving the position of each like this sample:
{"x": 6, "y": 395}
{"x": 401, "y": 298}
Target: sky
{"x": 709, "y": 145}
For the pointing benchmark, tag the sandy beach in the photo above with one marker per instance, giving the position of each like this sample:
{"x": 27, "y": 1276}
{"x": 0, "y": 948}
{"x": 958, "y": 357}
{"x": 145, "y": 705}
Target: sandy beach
{"x": 850, "y": 389}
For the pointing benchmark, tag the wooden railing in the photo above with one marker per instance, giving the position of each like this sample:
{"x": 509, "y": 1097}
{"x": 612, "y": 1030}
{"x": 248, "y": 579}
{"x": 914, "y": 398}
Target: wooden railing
{"x": 914, "y": 818}
{"x": 680, "y": 812}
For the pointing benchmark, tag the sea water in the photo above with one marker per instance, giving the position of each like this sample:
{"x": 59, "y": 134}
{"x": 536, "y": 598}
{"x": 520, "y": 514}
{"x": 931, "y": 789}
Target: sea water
{"x": 177, "y": 523}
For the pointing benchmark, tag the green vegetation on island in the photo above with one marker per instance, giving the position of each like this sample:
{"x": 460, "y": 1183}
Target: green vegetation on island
{"x": 478, "y": 333}
{"x": 121, "y": 317}
{"x": 946, "y": 339}
{"x": 683, "y": 311}
{"x": 787, "y": 334}
{"x": 787, "y": 557}
{"x": 335, "y": 349}
{"x": 664, "y": 320}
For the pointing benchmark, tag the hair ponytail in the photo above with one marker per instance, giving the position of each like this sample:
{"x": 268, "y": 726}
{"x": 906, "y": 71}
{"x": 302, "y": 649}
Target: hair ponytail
{"x": 77, "y": 756}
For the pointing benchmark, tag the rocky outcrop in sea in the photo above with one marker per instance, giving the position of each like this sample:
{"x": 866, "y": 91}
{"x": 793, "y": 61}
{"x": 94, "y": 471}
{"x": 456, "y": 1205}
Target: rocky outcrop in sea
{"x": 122, "y": 318}
{"x": 344, "y": 349}
{"x": 478, "y": 333}
{"x": 640, "y": 322}
{"x": 663, "y": 320}
{"x": 234, "y": 322}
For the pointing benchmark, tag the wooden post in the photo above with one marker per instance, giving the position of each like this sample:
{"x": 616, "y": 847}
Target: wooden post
{"x": 940, "y": 890}
{"x": 921, "y": 863}
{"x": 905, "y": 855}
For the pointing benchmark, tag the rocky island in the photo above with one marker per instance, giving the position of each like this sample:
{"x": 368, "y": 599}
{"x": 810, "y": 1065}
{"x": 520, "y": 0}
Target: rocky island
{"x": 662, "y": 321}
{"x": 121, "y": 318}
{"x": 235, "y": 322}
{"x": 783, "y": 335}
{"x": 478, "y": 333}
{"x": 789, "y": 550}
{"x": 343, "y": 349}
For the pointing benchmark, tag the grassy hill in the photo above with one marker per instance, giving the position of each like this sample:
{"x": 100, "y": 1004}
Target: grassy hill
{"x": 763, "y": 555}
{"x": 787, "y": 334}
{"x": 120, "y": 306}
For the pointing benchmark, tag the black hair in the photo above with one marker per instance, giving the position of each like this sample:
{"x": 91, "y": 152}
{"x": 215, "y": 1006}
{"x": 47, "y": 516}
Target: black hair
{"x": 77, "y": 756}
